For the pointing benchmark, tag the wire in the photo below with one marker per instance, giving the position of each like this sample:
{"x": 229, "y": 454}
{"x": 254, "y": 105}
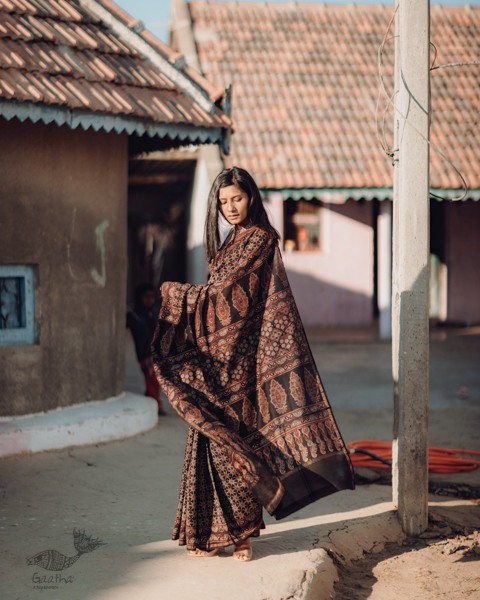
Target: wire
{"x": 386, "y": 147}
{"x": 389, "y": 151}
{"x": 375, "y": 454}
{"x": 456, "y": 64}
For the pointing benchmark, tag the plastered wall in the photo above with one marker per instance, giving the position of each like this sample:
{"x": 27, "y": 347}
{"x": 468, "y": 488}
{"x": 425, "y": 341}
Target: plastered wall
{"x": 63, "y": 197}
{"x": 463, "y": 262}
{"x": 335, "y": 285}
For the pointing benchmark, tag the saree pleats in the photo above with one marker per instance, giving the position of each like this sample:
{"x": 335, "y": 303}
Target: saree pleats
{"x": 233, "y": 359}
{"x": 215, "y": 507}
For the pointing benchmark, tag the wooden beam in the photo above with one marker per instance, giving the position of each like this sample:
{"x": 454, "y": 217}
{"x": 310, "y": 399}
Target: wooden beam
{"x": 156, "y": 179}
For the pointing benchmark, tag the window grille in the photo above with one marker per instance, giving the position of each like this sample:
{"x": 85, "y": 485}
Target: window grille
{"x": 17, "y": 305}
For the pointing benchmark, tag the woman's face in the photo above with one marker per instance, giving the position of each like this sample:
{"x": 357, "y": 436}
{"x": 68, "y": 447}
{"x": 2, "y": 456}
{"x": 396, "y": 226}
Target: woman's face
{"x": 234, "y": 204}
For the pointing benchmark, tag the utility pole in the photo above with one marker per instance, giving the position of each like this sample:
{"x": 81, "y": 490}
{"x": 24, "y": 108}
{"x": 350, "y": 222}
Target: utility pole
{"x": 411, "y": 251}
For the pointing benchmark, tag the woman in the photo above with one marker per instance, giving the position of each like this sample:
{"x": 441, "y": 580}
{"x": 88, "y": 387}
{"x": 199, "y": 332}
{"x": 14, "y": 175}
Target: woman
{"x": 234, "y": 362}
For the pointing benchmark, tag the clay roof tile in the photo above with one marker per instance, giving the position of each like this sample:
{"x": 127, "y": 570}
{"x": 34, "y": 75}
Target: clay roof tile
{"x": 61, "y": 53}
{"x": 304, "y": 69}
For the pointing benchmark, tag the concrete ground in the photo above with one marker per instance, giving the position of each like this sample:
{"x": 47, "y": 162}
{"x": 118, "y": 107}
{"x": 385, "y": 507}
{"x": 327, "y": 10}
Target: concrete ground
{"x": 124, "y": 494}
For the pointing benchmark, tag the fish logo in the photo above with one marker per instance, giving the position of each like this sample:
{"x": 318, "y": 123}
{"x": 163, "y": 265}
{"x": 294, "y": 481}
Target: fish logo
{"x": 52, "y": 560}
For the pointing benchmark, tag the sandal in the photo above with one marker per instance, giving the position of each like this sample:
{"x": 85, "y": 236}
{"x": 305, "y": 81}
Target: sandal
{"x": 243, "y": 552}
{"x": 203, "y": 553}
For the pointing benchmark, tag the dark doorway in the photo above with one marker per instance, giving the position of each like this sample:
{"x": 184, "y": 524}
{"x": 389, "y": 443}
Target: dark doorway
{"x": 437, "y": 260}
{"x": 159, "y": 193}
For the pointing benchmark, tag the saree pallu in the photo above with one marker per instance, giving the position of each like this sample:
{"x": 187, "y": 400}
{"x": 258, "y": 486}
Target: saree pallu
{"x": 234, "y": 362}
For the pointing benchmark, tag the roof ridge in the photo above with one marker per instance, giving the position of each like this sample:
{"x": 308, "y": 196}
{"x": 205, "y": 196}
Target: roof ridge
{"x": 318, "y": 5}
{"x": 288, "y": 5}
{"x": 138, "y": 27}
{"x": 174, "y": 58}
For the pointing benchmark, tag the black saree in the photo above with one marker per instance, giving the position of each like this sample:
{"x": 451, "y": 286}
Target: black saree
{"x": 234, "y": 361}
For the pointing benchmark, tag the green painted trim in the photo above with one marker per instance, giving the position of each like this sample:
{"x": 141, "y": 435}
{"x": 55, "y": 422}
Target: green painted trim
{"x": 333, "y": 195}
{"x": 341, "y": 195}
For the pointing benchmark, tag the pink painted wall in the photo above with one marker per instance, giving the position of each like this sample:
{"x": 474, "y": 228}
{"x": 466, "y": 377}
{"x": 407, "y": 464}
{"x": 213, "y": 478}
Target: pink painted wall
{"x": 463, "y": 261}
{"x": 335, "y": 285}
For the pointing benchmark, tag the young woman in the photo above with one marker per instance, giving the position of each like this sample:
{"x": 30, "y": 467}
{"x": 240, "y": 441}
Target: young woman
{"x": 234, "y": 362}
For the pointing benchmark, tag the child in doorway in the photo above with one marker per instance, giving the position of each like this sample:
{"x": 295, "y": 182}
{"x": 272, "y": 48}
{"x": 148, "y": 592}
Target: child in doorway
{"x": 142, "y": 321}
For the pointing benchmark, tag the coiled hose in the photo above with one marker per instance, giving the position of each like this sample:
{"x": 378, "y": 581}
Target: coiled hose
{"x": 376, "y": 454}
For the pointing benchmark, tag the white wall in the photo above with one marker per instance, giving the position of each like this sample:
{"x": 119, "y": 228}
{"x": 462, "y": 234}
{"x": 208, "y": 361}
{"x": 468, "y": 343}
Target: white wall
{"x": 335, "y": 285}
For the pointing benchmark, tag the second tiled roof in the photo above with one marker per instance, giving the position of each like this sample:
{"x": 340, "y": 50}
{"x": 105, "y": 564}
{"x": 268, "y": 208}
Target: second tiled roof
{"x": 305, "y": 84}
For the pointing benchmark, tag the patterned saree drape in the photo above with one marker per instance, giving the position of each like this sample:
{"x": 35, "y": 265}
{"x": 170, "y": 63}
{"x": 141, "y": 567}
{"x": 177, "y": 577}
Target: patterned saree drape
{"x": 234, "y": 362}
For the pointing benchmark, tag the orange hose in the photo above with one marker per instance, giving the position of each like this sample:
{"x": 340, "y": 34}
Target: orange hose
{"x": 440, "y": 460}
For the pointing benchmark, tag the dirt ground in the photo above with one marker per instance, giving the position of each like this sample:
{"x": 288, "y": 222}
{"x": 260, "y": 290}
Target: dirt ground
{"x": 443, "y": 563}
{"x": 125, "y": 494}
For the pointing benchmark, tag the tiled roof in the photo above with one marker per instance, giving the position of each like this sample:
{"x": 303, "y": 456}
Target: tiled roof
{"x": 88, "y": 63}
{"x": 305, "y": 84}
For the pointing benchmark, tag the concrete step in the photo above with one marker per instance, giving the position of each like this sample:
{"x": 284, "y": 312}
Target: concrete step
{"x": 114, "y": 418}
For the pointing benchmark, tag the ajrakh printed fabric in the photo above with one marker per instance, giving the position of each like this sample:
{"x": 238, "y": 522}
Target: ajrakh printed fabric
{"x": 233, "y": 359}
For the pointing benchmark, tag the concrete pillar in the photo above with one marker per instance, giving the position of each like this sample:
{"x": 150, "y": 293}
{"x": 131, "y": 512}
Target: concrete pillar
{"x": 395, "y": 264}
{"x": 274, "y": 207}
{"x": 411, "y": 265}
{"x": 384, "y": 253}
{"x": 209, "y": 165}
{"x": 196, "y": 265}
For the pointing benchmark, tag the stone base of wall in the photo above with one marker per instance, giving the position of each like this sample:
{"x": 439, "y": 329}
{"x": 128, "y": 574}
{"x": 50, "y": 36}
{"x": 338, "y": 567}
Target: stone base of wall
{"x": 88, "y": 423}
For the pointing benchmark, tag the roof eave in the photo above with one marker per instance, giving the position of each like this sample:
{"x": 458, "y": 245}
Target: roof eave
{"x": 332, "y": 195}
{"x": 154, "y": 50}
{"x": 131, "y": 126}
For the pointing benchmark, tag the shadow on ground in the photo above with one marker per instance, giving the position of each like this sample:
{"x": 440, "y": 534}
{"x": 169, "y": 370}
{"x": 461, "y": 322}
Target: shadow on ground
{"x": 427, "y": 567}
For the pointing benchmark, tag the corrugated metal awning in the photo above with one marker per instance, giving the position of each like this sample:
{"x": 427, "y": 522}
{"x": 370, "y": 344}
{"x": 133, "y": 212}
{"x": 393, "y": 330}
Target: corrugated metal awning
{"x": 179, "y": 132}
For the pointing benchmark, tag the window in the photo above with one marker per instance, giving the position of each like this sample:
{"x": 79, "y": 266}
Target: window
{"x": 302, "y": 225}
{"x": 17, "y": 305}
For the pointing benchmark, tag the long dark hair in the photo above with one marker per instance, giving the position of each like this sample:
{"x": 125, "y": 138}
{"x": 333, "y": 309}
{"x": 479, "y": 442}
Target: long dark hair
{"x": 256, "y": 211}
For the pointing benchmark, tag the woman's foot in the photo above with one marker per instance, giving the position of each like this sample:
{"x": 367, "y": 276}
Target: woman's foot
{"x": 243, "y": 551}
{"x": 204, "y": 553}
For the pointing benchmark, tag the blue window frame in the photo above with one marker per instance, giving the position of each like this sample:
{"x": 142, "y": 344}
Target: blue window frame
{"x": 17, "y": 305}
